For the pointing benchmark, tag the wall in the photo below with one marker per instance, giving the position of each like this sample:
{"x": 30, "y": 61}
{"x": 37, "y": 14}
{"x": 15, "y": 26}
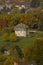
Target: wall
{"x": 21, "y": 33}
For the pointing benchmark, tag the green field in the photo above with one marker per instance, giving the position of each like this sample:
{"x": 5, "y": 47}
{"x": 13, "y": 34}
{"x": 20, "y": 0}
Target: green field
{"x": 22, "y": 42}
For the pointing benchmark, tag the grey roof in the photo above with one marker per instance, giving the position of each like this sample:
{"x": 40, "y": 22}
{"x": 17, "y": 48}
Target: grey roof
{"x": 21, "y": 27}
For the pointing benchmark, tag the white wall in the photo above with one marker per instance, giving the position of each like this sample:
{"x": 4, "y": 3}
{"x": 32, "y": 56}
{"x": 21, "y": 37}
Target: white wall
{"x": 20, "y": 33}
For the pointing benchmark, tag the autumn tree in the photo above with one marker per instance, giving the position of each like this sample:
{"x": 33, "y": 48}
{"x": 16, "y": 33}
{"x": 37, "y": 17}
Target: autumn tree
{"x": 12, "y": 37}
{"x": 5, "y": 36}
{"x": 9, "y": 60}
{"x": 34, "y": 52}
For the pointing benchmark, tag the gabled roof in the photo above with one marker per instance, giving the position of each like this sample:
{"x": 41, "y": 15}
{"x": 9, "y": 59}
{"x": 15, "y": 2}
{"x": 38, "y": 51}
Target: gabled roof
{"x": 21, "y": 27}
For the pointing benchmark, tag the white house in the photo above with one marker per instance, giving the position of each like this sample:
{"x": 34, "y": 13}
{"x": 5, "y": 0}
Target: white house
{"x": 21, "y": 30}
{"x": 1, "y": 7}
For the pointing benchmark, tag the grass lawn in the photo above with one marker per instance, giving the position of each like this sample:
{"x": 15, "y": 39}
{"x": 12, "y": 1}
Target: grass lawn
{"x": 22, "y": 42}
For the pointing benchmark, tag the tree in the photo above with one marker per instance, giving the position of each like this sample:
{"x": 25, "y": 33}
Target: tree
{"x": 3, "y": 23}
{"x": 22, "y": 10}
{"x": 12, "y": 37}
{"x": 17, "y": 53}
{"x": 9, "y": 60}
{"x": 39, "y": 50}
{"x": 20, "y": 53}
{"x": 15, "y": 10}
{"x": 34, "y": 52}
{"x": 5, "y": 36}
{"x": 41, "y": 21}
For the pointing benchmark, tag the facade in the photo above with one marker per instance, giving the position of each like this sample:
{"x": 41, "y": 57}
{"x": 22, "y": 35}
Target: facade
{"x": 21, "y": 30}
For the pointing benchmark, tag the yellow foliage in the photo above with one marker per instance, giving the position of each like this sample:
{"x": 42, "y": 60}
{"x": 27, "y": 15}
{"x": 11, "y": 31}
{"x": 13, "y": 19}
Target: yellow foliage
{"x": 9, "y": 61}
{"x": 1, "y": 55}
{"x": 42, "y": 10}
{"x": 12, "y": 37}
{"x": 5, "y": 36}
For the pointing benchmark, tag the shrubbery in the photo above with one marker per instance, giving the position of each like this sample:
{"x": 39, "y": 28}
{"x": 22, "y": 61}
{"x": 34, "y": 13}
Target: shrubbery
{"x": 5, "y": 36}
{"x": 11, "y": 37}
{"x": 34, "y": 52}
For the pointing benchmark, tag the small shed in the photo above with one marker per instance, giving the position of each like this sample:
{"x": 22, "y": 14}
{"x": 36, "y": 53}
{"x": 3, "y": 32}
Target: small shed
{"x": 21, "y": 30}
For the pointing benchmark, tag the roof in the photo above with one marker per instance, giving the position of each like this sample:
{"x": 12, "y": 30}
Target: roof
{"x": 23, "y": 3}
{"x": 21, "y": 27}
{"x": 26, "y": 63}
{"x": 19, "y": 0}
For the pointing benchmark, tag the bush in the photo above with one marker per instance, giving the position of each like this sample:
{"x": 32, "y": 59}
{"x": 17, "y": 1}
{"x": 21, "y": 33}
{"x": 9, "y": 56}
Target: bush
{"x": 35, "y": 51}
{"x": 5, "y": 36}
{"x": 12, "y": 37}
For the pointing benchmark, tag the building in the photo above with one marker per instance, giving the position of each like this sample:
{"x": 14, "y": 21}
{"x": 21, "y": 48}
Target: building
{"x": 21, "y": 30}
{"x": 25, "y": 63}
{"x": 1, "y": 7}
{"x": 22, "y": 4}
{"x": 19, "y": 1}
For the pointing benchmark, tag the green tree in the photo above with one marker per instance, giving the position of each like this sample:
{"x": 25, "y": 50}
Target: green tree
{"x": 34, "y": 52}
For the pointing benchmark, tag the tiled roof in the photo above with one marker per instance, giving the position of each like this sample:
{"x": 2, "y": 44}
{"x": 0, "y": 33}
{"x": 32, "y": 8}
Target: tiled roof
{"x": 26, "y": 63}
